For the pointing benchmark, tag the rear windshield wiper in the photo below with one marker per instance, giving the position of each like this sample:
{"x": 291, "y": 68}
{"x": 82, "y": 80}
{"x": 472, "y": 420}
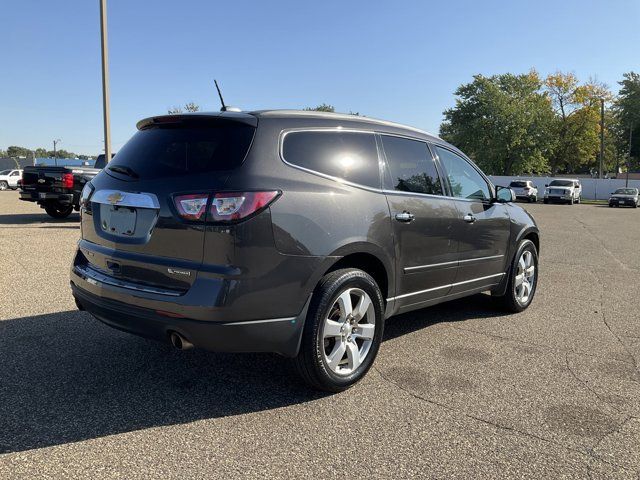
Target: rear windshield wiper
{"x": 124, "y": 170}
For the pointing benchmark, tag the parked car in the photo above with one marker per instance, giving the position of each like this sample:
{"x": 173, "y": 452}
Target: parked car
{"x": 9, "y": 179}
{"x": 524, "y": 190}
{"x": 57, "y": 189}
{"x": 293, "y": 232}
{"x": 624, "y": 196}
{"x": 563, "y": 190}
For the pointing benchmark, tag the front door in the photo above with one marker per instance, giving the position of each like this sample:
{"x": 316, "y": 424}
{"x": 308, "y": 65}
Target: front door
{"x": 483, "y": 227}
{"x": 423, "y": 222}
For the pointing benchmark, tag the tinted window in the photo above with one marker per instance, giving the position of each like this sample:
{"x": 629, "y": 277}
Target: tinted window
{"x": 464, "y": 179}
{"x": 411, "y": 166}
{"x": 518, "y": 184}
{"x": 189, "y": 148}
{"x": 351, "y": 156}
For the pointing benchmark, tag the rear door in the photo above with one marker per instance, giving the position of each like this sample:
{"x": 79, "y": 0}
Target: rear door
{"x": 145, "y": 219}
{"x": 423, "y": 221}
{"x": 482, "y": 227}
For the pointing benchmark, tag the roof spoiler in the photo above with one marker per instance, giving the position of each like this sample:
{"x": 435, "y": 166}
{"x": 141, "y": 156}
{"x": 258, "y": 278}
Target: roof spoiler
{"x": 198, "y": 118}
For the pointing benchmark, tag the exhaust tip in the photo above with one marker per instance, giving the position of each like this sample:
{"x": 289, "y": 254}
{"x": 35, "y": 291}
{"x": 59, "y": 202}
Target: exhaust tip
{"x": 179, "y": 341}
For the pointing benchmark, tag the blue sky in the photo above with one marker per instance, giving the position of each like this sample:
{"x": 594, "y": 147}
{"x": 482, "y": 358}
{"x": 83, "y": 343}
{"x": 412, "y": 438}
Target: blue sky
{"x": 397, "y": 60}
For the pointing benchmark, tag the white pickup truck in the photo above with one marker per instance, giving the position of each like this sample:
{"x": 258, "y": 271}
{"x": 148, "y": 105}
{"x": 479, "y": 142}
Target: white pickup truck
{"x": 9, "y": 179}
{"x": 563, "y": 190}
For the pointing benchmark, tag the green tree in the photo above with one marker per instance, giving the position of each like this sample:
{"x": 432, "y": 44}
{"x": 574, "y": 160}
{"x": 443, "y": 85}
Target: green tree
{"x": 502, "y": 122}
{"x": 189, "y": 107}
{"x": 627, "y": 109}
{"x": 576, "y": 127}
{"x": 40, "y": 152}
{"x": 15, "y": 151}
{"x": 323, "y": 107}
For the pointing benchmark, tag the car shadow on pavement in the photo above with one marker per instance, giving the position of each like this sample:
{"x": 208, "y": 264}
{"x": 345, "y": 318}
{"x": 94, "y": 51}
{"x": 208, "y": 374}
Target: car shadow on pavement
{"x": 65, "y": 377}
{"x": 36, "y": 218}
{"x": 475, "y": 306}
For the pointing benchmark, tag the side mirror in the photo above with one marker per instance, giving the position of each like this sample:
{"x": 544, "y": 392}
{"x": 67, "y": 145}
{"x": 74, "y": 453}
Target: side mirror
{"x": 505, "y": 195}
{"x": 546, "y": 184}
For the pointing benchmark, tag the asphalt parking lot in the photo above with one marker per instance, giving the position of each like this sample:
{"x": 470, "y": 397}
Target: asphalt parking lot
{"x": 458, "y": 390}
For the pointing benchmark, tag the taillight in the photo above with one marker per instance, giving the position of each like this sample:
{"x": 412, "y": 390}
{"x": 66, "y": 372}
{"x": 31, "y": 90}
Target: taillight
{"x": 67, "y": 180}
{"x": 225, "y": 207}
{"x": 239, "y": 205}
{"x": 191, "y": 207}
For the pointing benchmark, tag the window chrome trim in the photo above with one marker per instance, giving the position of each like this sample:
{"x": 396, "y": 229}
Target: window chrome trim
{"x": 455, "y": 262}
{"x": 445, "y": 286}
{"x": 286, "y": 132}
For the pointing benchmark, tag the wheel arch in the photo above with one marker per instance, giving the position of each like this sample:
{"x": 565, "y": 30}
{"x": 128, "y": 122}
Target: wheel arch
{"x": 368, "y": 258}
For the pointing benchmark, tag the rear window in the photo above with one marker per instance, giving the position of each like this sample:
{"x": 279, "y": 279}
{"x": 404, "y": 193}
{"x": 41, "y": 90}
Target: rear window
{"x": 351, "y": 156}
{"x": 518, "y": 184}
{"x": 180, "y": 149}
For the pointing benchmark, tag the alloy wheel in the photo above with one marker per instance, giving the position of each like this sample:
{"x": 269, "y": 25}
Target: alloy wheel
{"x": 348, "y": 331}
{"x": 525, "y": 277}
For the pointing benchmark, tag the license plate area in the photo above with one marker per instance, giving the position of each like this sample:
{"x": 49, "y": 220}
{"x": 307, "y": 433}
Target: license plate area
{"x": 119, "y": 221}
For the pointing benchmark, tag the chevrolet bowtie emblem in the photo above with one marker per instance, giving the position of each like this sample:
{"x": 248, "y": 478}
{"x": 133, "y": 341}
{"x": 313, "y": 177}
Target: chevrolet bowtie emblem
{"x": 115, "y": 198}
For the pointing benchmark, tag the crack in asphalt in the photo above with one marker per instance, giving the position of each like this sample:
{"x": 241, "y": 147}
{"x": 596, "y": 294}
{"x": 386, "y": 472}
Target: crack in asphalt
{"x": 597, "y": 395}
{"x": 604, "y": 246}
{"x": 584, "y": 453}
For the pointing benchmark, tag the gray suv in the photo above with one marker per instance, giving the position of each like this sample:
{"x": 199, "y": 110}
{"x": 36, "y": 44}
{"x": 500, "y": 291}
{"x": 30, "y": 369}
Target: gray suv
{"x": 293, "y": 232}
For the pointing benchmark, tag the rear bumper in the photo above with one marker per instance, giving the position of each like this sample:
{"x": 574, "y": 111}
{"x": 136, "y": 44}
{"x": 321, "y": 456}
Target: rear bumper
{"x": 278, "y": 335}
{"x": 65, "y": 199}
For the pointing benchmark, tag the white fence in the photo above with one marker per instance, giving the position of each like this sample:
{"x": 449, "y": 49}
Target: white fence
{"x": 592, "y": 188}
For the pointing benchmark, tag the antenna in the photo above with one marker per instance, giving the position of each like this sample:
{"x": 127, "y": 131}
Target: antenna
{"x": 224, "y": 107}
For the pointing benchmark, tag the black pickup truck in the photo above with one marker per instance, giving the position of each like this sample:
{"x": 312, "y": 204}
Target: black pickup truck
{"x": 57, "y": 189}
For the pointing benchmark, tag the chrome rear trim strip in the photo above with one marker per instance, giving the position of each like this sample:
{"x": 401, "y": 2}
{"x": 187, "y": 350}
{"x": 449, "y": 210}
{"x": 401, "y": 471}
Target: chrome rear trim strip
{"x": 125, "y": 199}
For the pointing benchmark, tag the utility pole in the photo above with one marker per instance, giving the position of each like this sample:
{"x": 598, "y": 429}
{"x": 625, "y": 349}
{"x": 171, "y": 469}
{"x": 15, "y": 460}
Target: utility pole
{"x": 55, "y": 152}
{"x": 601, "y": 137}
{"x": 626, "y": 182}
{"x": 105, "y": 79}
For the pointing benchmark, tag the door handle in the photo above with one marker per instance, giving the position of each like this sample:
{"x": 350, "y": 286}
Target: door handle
{"x": 405, "y": 217}
{"x": 469, "y": 218}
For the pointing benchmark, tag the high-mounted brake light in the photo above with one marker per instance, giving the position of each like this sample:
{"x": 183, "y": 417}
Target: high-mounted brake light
{"x": 67, "y": 180}
{"x": 234, "y": 206}
{"x": 192, "y": 207}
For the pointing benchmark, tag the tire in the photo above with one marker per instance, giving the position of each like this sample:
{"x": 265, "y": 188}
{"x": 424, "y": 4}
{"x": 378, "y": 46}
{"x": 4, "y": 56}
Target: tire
{"x": 511, "y": 301}
{"x": 4, "y": 185}
{"x": 546, "y": 202}
{"x": 571, "y": 201}
{"x": 535, "y": 199}
{"x": 58, "y": 212}
{"x": 314, "y": 361}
